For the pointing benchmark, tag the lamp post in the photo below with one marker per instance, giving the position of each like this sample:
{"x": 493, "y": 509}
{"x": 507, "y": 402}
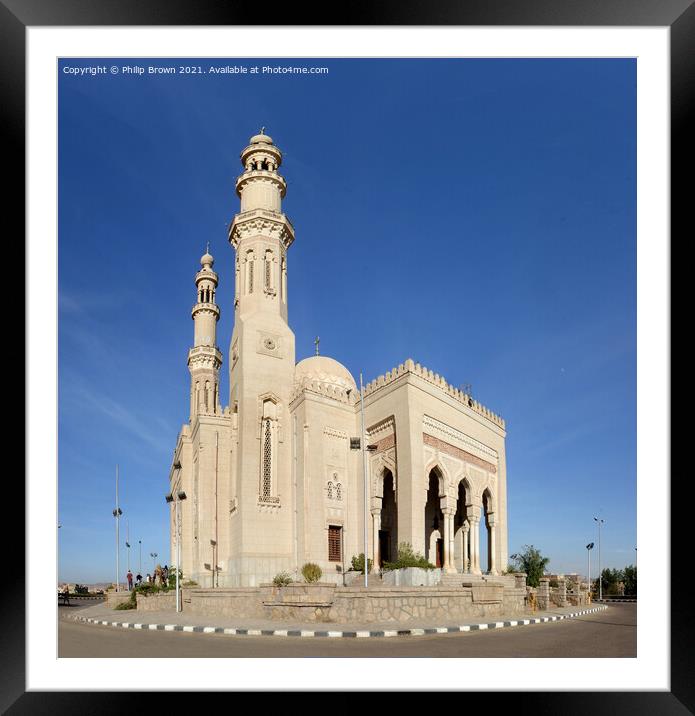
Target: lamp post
{"x": 600, "y": 583}
{"x": 154, "y": 556}
{"x": 117, "y": 514}
{"x": 365, "y": 448}
{"x": 140, "y": 550}
{"x": 589, "y": 547}
{"x": 176, "y": 498}
{"x": 366, "y": 492}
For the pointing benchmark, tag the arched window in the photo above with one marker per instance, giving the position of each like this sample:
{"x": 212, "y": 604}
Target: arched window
{"x": 268, "y": 480}
{"x": 330, "y": 490}
{"x": 268, "y": 271}
{"x": 249, "y": 271}
{"x": 338, "y": 491}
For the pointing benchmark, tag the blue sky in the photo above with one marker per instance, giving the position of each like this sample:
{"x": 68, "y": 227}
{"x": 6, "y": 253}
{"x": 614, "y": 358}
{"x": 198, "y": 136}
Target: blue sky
{"x": 478, "y": 216}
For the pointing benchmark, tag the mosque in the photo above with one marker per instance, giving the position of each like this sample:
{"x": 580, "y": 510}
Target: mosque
{"x": 276, "y": 478}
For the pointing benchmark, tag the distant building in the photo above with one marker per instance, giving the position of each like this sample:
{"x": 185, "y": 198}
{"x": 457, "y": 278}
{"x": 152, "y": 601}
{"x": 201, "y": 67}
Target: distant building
{"x": 271, "y": 481}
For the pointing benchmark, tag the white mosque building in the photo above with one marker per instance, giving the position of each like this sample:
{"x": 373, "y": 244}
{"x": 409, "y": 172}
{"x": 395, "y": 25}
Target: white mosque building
{"x": 270, "y": 480}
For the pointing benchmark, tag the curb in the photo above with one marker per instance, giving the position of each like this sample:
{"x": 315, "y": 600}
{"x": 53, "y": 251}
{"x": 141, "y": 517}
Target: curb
{"x": 333, "y": 634}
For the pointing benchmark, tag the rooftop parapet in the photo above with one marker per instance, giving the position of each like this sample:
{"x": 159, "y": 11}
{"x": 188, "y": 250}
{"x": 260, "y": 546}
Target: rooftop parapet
{"x": 435, "y": 379}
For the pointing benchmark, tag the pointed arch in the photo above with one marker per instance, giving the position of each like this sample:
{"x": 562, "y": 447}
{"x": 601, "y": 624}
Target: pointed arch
{"x": 435, "y": 466}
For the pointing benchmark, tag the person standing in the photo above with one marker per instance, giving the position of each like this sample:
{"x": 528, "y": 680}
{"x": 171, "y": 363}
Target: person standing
{"x": 165, "y": 575}
{"x": 129, "y": 577}
{"x": 138, "y": 579}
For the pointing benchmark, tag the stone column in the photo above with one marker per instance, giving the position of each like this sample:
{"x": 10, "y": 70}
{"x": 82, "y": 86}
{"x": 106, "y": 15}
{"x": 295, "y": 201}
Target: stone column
{"x": 466, "y": 530}
{"x": 544, "y": 593}
{"x": 475, "y": 545}
{"x": 448, "y": 542}
{"x": 376, "y": 526}
{"x": 473, "y": 514}
{"x": 562, "y": 591}
{"x": 452, "y": 542}
{"x": 493, "y": 543}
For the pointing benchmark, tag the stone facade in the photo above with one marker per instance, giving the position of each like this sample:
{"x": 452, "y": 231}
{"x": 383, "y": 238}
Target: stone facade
{"x": 270, "y": 482}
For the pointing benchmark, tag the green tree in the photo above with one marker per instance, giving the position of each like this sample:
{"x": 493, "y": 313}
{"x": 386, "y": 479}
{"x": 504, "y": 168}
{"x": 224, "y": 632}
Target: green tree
{"x": 610, "y": 579}
{"x": 630, "y": 579}
{"x": 531, "y": 561}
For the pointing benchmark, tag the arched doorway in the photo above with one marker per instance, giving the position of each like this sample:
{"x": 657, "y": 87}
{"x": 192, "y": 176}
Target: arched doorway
{"x": 388, "y": 531}
{"x": 434, "y": 521}
{"x": 461, "y": 529}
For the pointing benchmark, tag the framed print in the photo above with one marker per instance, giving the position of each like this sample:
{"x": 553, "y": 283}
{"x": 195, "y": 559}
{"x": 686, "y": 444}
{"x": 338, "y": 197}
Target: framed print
{"x": 486, "y": 186}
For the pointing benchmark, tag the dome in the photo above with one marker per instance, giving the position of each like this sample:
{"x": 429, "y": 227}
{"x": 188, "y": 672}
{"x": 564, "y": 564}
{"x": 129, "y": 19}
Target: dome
{"x": 261, "y": 139}
{"x": 206, "y": 258}
{"x": 324, "y": 370}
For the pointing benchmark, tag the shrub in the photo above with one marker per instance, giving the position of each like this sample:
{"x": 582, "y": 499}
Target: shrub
{"x": 282, "y": 579}
{"x": 532, "y": 562}
{"x": 358, "y": 563}
{"x": 311, "y": 572}
{"x": 189, "y": 583}
{"x": 408, "y": 558}
{"x": 146, "y": 588}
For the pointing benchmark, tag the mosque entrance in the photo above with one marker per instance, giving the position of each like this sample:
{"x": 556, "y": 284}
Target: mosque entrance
{"x": 384, "y": 547}
{"x": 434, "y": 522}
{"x": 388, "y": 534}
{"x": 440, "y": 553}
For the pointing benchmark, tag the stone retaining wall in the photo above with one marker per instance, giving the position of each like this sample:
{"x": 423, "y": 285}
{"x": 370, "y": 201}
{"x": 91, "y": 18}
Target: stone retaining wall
{"x": 155, "y": 602}
{"x": 328, "y": 603}
{"x": 113, "y": 599}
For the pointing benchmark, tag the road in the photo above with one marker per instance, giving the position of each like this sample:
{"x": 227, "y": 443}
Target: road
{"x": 612, "y": 633}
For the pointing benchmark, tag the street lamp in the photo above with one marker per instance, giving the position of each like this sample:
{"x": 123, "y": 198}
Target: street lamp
{"x": 176, "y": 499}
{"x": 589, "y": 547}
{"x": 140, "y": 550}
{"x": 600, "y": 583}
{"x": 154, "y": 556}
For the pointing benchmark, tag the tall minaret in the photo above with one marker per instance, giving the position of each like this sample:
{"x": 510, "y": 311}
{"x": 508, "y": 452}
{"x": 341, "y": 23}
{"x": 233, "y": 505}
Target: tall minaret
{"x": 261, "y": 365}
{"x": 204, "y": 359}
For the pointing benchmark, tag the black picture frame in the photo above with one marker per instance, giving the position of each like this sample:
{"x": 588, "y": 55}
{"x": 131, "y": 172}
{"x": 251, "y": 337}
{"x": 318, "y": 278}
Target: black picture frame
{"x": 678, "y": 15}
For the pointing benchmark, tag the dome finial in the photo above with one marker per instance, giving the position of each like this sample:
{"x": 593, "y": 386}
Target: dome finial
{"x": 206, "y": 260}
{"x": 317, "y": 340}
{"x": 262, "y": 130}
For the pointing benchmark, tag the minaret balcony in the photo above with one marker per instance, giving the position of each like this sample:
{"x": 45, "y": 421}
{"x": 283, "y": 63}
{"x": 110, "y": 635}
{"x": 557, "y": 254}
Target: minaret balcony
{"x": 203, "y": 307}
{"x": 205, "y": 357}
{"x": 261, "y": 222}
{"x": 206, "y": 273}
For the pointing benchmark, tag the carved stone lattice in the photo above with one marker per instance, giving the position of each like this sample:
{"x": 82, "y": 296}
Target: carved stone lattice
{"x": 267, "y": 460}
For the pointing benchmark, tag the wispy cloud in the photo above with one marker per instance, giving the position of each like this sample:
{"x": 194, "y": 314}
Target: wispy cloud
{"x": 122, "y": 417}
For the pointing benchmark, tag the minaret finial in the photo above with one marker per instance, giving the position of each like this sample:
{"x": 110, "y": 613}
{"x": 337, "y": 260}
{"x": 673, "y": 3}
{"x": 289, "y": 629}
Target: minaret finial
{"x": 207, "y": 248}
{"x": 262, "y": 130}
{"x": 316, "y": 343}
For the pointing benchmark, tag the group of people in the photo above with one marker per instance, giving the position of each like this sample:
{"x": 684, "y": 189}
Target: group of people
{"x": 160, "y": 579}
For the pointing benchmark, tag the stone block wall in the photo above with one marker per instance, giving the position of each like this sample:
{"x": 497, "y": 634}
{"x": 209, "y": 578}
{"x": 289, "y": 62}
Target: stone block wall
{"x": 113, "y": 599}
{"x": 156, "y": 602}
{"x": 328, "y": 603}
{"x": 411, "y": 577}
{"x": 395, "y": 604}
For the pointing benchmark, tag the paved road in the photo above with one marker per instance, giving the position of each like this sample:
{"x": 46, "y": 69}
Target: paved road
{"x": 612, "y": 633}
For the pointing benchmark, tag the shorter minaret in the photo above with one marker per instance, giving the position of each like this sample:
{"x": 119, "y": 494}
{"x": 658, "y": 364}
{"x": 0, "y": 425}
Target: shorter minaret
{"x": 205, "y": 359}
